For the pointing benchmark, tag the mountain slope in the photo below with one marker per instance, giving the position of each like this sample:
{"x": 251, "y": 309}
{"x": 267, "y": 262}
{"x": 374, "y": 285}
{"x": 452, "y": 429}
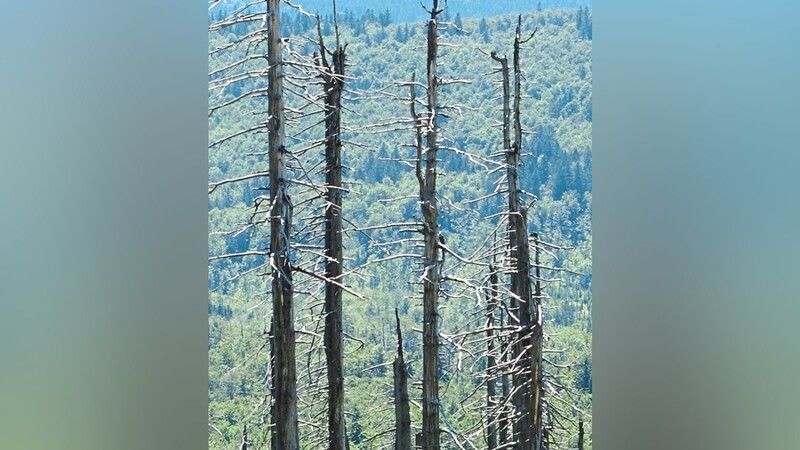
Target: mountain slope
{"x": 557, "y": 110}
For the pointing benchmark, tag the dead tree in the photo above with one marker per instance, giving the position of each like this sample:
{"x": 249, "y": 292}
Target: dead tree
{"x": 503, "y": 421}
{"x": 284, "y": 419}
{"x": 427, "y": 125}
{"x": 333, "y": 84}
{"x": 513, "y": 202}
{"x": 527, "y": 385}
{"x": 402, "y": 416}
{"x": 537, "y": 343}
{"x": 530, "y": 319}
{"x": 303, "y": 255}
{"x": 270, "y": 382}
{"x": 491, "y": 363}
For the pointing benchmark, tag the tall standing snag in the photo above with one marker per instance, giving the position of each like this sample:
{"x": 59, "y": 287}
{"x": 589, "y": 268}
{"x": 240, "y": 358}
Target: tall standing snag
{"x": 531, "y": 336}
{"x": 284, "y": 372}
{"x": 428, "y": 125}
{"x": 526, "y": 347}
{"x": 333, "y": 83}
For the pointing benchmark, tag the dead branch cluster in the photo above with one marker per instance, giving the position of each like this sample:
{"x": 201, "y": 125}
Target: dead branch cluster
{"x": 297, "y": 101}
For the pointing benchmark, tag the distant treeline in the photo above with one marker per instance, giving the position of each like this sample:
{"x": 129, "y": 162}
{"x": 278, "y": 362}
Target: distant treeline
{"x": 294, "y": 24}
{"x": 409, "y": 10}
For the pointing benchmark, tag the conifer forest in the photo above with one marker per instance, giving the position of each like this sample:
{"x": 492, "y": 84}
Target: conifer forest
{"x": 400, "y": 203}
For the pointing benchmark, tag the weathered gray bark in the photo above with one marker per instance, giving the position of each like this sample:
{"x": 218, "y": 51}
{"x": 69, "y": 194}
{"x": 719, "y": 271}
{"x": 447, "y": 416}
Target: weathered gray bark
{"x": 271, "y": 384}
{"x": 530, "y": 312}
{"x": 432, "y": 263}
{"x": 333, "y": 83}
{"x": 491, "y": 360}
{"x": 537, "y": 342}
{"x": 527, "y": 425}
{"x": 503, "y": 423}
{"x": 284, "y": 382}
{"x": 402, "y": 415}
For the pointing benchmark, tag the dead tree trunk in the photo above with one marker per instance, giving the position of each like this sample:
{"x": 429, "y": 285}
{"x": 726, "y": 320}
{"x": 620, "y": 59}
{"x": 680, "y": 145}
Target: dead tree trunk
{"x": 284, "y": 417}
{"x": 503, "y": 423}
{"x": 526, "y": 432}
{"x": 530, "y": 310}
{"x": 516, "y": 228}
{"x": 580, "y": 435}
{"x": 491, "y": 361}
{"x": 333, "y": 83}
{"x": 430, "y": 231}
{"x": 271, "y": 386}
{"x": 537, "y": 341}
{"x": 520, "y": 278}
{"x": 402, "y": 415}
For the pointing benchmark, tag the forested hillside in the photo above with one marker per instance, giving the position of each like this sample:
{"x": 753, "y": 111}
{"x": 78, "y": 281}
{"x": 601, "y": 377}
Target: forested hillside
{"x": 382, "y": 53}
{"x": 409, "y": 10}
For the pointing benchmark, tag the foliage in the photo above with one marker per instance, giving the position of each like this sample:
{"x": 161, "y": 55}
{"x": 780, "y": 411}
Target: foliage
{"x": 557, "y": 115}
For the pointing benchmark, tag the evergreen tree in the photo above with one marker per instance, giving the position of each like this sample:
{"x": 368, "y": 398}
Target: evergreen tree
{"x": 483, "y": 28}
{"x": 326, "y": 26}
{"x": 583, "y": 22}
{"x": 368, "y": 17}
{"x": 385, "y": 18}
{"x": 380, "y": 36}
{"x": 584, "y": 381}
{"x": 587, "y": 24}
{"x": 399, "y": 35}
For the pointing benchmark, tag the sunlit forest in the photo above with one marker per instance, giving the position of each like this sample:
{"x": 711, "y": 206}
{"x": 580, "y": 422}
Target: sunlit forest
{"x": 387, "y": 247}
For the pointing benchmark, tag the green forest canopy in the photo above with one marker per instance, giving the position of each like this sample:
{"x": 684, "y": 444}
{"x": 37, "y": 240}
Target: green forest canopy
{"x": 410, "y": 11}
{"x": 558, "y": 113}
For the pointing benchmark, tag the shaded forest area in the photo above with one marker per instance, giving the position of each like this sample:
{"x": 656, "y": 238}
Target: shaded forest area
{"x": 350, "y": 141}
